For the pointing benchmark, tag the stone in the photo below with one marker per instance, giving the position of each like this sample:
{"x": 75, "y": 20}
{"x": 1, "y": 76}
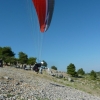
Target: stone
{"x": 5, "y": 77}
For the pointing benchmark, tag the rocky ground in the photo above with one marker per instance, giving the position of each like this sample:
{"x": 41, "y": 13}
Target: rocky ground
{"x": 19, "y": 84}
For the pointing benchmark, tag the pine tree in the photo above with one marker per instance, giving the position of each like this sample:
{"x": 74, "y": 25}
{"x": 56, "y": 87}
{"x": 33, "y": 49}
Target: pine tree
{"x": 93, "y": 75}
{"x": 71, "y": 69}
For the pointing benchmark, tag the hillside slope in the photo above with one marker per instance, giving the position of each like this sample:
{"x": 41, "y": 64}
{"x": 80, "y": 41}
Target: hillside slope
{"x": 19, "y": 84}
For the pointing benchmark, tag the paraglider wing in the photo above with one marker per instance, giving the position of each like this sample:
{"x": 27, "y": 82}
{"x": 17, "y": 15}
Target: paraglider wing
{"x": 49, "y": 13}
{"x": 44, "y": 10}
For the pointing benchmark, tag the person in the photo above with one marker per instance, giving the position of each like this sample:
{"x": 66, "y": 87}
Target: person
{"x": 24, "y": 66}
{"x": 37, "y": 66}
{"x": 40, "y": 70}
{"x": 1, "y": 63}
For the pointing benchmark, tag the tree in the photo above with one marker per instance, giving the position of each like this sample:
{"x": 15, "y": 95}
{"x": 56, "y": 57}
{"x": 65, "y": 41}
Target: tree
{"x": 76, "y": 74}
{"x": 71, "y": 69}
{"x": 81, "y": 71}
{"x": 6, "y": 54}
{"x": 23, "y": 58}
{"x": 1, "y": 56}
{"x": 93, "y": 75}
{"x": 31, "y": 60}
{"x": 13, "y": 60}
{"x": 54, "y": 67}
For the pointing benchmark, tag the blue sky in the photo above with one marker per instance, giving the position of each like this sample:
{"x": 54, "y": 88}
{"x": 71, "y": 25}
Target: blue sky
{"x": 73, "y": 36}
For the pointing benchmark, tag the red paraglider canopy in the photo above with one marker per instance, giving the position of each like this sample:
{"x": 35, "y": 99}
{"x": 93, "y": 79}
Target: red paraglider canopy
{"x": 44, "y": 9}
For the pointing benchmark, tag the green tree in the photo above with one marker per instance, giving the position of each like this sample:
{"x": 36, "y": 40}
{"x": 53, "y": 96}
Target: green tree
{"x": 93, "y": 75}
{"x": 76, "y": 74}
{"x": 81, "y": 71}
{"x": 6, "y": 54}
{"x": 23, "y": 58}
{"x": 13, "y": 60}
{"x": 54, "y": 67}
{"x": 1, "y": 56}
{"x": 31, "y": 60}
{"x": 71, "y": 69}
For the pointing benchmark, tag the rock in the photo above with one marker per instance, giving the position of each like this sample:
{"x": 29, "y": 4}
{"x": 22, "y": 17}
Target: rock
{"x": 2, "y": 97}
{"x": 60, "y": 75}
{"x": 22, "y": 97}
{"x": 5, "y": 77}
{"x": 17, "y": 83}
{"x": 70, "y": 80}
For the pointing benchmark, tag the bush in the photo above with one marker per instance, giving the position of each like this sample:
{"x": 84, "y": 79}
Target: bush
{"x": 81, "y": 71}
{"x": 93, "y": 75}
{"x": 54, "y": 67}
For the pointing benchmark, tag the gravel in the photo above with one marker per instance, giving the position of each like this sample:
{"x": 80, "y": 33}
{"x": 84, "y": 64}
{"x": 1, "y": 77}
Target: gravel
{"x": 19, "y": 84}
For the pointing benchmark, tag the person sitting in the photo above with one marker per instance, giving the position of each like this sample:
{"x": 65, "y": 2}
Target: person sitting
{"x": 37, "y": 66}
